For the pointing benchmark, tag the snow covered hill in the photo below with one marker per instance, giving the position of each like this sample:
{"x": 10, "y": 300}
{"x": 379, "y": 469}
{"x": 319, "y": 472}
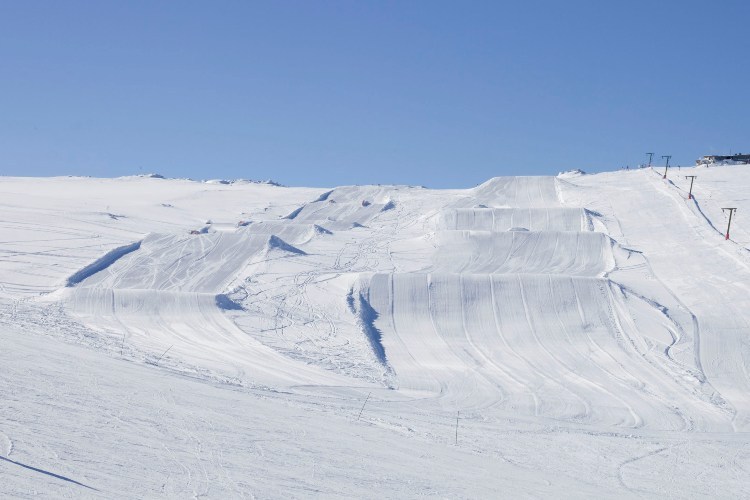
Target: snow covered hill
{"x": 570, "y": 336}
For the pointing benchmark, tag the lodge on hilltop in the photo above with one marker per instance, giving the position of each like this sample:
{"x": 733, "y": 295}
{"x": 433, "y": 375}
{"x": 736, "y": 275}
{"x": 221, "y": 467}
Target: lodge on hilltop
{"x": 712, "y": 159}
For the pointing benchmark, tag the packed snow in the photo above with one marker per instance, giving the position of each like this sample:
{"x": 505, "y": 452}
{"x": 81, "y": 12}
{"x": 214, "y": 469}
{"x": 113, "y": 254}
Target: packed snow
{"x": 573, "y": 336}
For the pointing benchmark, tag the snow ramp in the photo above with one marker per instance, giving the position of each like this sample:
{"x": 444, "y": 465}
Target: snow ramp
{"x": 521, "y": 192}
{"x": 195, "y": 329}
{"x": 168, "y": 295}
{"x": 505, "y": 219}
{"x": 199, "y": 263}
{"x": 571, "y": 253}
{"x": 544, "y": 345}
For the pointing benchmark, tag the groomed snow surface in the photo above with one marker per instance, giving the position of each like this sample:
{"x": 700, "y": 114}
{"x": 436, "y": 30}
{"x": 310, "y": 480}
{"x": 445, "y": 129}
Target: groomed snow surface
{"x": 576, "y": 336}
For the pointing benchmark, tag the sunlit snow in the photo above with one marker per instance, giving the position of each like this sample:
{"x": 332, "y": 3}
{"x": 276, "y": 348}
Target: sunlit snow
{"x": 571, "y": 336}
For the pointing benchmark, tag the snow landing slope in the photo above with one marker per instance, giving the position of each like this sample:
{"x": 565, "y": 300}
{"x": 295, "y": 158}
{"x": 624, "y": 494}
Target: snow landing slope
{"x": 589, "y": 332}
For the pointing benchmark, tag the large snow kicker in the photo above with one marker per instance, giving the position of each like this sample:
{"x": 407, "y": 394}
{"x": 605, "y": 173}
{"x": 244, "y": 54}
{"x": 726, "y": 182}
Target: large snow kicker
{"x": 545, "y": 345}
{"x": 166, "y": 295}
{"x": 506, "y": 219}
{"x": 199, "y": 263}
{"x": 574, "y": 253}
{"x": 194, "y": 329}
{"x": 517, "y": 192}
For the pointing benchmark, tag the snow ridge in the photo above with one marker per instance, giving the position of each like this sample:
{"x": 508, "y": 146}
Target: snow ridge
{"x": 102, "y": 263}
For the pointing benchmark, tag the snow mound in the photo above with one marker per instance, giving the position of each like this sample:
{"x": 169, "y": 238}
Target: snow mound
{"x": 320, "y": 230}
{"x": 276, "y": 243}
{"x": 227, "y": 304}
{"x": 268, "y": 182}
{"x": 571, "y": 173}
{"x": 143, "y": 176}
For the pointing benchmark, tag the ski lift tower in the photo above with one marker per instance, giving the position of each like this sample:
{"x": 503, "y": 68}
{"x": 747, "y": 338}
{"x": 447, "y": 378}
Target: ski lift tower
{"x": 666, "y": 167}
{"x": 731, "y": 210}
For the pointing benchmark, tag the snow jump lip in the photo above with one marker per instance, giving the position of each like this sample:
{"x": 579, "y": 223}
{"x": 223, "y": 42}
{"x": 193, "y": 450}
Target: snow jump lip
{"x": 102, "y": 263}
{"x": 505, "y": 219}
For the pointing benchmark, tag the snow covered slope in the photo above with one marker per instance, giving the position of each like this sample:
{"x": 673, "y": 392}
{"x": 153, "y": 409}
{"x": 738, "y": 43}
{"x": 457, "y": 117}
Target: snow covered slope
{"x": 579, "y": 336}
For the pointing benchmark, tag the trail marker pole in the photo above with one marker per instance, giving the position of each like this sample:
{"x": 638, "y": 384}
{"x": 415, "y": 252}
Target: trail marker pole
{"x": 666, "y": 167}
{"x": 122, "y": 346}
{"x": 650, "y": 157}
{"x": 457, "y": 414}
{"x": 363, "y": 405}
{"x": 162, "y": 354}
{"x": 692, "y": 178}
{"x": 732, "y": 210}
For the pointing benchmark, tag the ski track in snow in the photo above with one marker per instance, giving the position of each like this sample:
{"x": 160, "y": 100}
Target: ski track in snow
{"x": 545, "y": 310}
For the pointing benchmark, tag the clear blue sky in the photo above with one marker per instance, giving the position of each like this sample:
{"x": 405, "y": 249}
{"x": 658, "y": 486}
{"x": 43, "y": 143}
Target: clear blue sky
{"x": 340, "y": 92}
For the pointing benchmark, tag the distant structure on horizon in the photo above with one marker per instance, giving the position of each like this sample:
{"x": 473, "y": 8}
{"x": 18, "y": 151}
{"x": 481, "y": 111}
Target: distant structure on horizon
{"x": 738, "y": 159}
